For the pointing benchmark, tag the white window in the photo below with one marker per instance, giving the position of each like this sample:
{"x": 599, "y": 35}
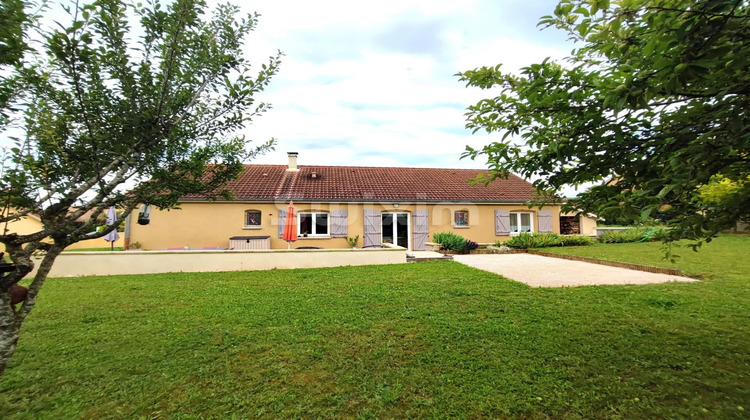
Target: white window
{"x": 313, "y": 224}
{"x": 252, "y": 218}
{"x": 521, "y": 222}
{"x": 461, "y": 219}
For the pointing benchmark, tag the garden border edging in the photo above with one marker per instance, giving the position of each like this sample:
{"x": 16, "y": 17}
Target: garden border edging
{"x": 639, "y": 267}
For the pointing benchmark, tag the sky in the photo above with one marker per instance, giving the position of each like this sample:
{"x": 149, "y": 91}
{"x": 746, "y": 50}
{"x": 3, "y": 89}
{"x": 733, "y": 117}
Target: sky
{"x": 374, "y": 84}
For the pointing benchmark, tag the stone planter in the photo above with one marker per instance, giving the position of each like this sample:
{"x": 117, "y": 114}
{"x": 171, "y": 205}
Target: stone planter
{"x": 432, "y": 246}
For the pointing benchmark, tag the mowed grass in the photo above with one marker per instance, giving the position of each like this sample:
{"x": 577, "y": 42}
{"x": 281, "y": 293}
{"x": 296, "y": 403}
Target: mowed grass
{"x": 436, "y": 340}
{"x": 724, "y": 257}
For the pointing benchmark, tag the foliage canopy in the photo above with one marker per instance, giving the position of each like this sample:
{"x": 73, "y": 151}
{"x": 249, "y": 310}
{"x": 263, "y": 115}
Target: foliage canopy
{"x": 652, "y": 105}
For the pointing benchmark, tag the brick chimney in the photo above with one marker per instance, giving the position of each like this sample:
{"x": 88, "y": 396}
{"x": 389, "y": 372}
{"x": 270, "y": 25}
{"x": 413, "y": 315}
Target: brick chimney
{"x": 292, "y": 162}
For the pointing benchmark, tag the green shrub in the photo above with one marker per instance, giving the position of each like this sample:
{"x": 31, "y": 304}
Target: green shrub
{"x": 621, "y": 236}
{"x": 545, "y": 240}
{"x": 533, "y": 240}
{"x": 523, "y": 241}
{"x": 452, "y": 242}
{"x": 660, "y": 234}
{"x": 577, "y": 240}
{"x": 449, "y": 241}
{"x": 633, "y": 235}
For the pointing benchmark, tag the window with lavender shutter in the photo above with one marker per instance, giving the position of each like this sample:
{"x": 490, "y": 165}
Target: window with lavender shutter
{"x": 420, "y": 230}
{"x": 339, "y": 223}
{"x": 372, "y": 228}
{"x": 545, "y": 221}
{"x": 502, "y": 222}
{"x": 282, "y": 222}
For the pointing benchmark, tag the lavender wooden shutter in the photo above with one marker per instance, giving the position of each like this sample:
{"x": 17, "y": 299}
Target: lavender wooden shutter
{"x": 339, "y": 223}
{"x": 545, "y": 221}
{"x": 282, "y": 222}
{"x": 502, "y": 222}
{"x": 372, "y": 228}
{"x": 421, "y": 234}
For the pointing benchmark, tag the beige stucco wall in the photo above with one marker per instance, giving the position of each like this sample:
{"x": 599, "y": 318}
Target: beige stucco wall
{"x": 26, "y": 225}
{"x": 22, "y": 226}
{"x": 211, "y": 224}
{"x": 76, "y": 264}
{"x": 588, "y": 225}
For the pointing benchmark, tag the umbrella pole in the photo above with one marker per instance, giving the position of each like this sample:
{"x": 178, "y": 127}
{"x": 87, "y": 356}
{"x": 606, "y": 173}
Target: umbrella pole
{"x": 111, "y": 246}
{"x": 288, "y": 245}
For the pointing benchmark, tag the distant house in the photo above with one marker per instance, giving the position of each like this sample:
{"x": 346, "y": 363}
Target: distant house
{"x": 403, "y": 206}
{"x": 31, "y": 223}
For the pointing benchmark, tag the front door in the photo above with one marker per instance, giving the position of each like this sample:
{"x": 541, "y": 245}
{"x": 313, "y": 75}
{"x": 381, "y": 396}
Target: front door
{"x": 396, "y": 229}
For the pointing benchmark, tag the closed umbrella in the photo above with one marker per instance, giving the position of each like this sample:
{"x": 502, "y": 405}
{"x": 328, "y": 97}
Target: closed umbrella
{"x": 112, "y": 236}
{"x": 290, "y": 227}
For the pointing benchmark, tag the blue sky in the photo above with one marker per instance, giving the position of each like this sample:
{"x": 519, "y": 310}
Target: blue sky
{"x": 373, "y": 83}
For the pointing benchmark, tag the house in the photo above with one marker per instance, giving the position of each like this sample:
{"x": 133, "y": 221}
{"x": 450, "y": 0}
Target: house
{"x": 403, "y": 206}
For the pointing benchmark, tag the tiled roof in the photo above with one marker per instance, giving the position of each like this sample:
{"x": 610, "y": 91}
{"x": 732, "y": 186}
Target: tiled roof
{"x": 359, "y": 183}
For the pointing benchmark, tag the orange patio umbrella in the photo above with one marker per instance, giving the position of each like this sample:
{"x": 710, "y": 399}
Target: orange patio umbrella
{"x": 290, "y": 227}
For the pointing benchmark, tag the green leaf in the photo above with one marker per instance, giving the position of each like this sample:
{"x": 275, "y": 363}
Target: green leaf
{"x": 664, "y": 191}
{"x": 648, "y": 49}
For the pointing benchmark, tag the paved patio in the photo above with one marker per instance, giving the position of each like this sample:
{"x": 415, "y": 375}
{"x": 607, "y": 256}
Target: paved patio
{"x": 538, "y": 271}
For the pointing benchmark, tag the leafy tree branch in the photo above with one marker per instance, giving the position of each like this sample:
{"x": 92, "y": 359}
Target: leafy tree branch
{"x": 651, "y": 106}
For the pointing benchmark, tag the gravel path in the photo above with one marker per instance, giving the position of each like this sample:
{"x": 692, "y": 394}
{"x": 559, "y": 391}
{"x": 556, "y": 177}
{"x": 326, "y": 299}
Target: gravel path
{"x": 537, "y": 271}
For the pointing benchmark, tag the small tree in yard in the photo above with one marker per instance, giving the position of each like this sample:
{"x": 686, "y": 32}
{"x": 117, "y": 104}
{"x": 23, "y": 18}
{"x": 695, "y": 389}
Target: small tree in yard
{"x": 653, "y": 106}
{"x": 115, "y": 115}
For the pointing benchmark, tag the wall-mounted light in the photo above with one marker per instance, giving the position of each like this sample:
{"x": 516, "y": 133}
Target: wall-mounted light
{"x": 395, "y": 205}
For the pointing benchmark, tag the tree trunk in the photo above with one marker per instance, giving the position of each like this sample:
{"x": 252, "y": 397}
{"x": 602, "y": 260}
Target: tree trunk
{"x": 11, "y": 318}
{"x": 9, "y": 329}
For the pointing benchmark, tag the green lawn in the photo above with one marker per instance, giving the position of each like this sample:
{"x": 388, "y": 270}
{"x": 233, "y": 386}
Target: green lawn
{"x": 725, "y": 257}
{"x": 413, "y": 340}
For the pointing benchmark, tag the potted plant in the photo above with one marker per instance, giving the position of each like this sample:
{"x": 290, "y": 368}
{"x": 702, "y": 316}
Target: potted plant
{"x": 353, "y": 241}
{"x": 468, "y": 246}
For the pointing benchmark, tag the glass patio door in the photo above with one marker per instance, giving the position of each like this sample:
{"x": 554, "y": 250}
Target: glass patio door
{"x": 395, "y": 228}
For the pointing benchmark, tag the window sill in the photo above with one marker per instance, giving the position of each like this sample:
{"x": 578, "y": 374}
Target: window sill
{"x": 252, "y": 227}
{"x": 461, "y": 227}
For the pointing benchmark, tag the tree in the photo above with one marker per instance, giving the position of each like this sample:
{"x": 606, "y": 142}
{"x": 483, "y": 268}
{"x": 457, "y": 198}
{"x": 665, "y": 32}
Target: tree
{"x": 12, "y": 42}
{"x": 120, "y": 104}
{"x": 723, "y": 192}
{"x": 13, "y": 21}
{"x": 652, "y": 105}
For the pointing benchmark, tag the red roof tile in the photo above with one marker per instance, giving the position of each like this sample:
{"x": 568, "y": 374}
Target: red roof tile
{"x": 359, "y": 183}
